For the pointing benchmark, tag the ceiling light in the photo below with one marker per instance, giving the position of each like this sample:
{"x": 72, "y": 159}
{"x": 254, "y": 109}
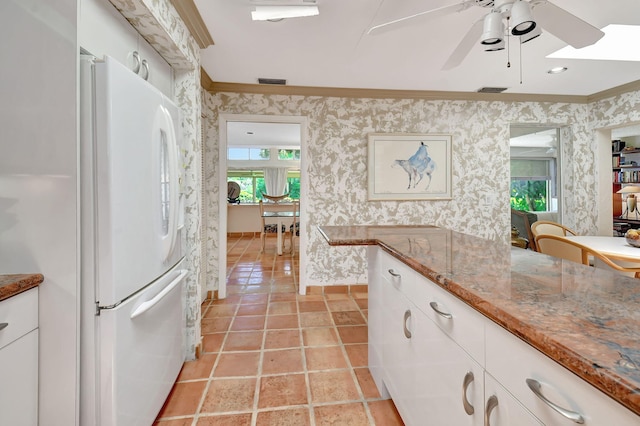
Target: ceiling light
{"x": 537, "y": 31}
{"x": 495, "y": 47}
{"x": 493, "y": 29}
{"x": 557, "y": 70}
{"x": 521, "y": 20}
{"x": 268, "y": 13}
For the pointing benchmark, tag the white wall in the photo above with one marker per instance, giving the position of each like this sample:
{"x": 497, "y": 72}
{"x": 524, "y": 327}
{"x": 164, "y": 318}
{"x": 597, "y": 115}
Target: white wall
{"x": 38, "y": 182}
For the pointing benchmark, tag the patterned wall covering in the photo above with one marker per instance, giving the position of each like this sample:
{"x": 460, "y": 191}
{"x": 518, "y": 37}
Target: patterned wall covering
{"x": 159, "y": 23}
{"x": 337, "y": 164}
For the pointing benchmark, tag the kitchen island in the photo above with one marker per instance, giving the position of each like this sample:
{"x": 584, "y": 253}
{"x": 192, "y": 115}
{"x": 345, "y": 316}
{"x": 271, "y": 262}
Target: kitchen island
{"x": 585, "y": 319}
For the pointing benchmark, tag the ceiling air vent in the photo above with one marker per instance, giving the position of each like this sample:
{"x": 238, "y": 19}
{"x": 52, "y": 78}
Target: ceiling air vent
{"x": 492, "y": 89}
{"x": 277, "y": 81}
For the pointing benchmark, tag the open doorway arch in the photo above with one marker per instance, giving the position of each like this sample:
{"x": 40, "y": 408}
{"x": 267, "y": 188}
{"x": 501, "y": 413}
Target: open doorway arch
{"x": 223, "y": 121}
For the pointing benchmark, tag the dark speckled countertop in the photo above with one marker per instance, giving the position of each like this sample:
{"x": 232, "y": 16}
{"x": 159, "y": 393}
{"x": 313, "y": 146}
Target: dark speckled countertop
{"x": 13, "y": 284}
{"x": 586, "y": 319}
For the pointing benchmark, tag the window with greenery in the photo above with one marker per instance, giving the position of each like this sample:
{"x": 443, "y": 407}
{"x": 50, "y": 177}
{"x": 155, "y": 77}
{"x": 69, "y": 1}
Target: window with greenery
{"x": 252, "y": 184}
{"x": 533, "y": 183}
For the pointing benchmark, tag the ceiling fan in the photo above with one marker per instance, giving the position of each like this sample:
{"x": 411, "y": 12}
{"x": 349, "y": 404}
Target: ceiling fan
{"x": 506, "y": 18}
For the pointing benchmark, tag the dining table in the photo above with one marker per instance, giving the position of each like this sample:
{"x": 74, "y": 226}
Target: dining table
{"x": 280, "y": 216}
{"x": 615, "y": 248}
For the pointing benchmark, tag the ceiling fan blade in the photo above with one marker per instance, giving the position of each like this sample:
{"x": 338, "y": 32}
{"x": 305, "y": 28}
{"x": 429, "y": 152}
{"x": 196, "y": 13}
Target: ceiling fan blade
{"x": 566, "y": 26}
{"x": 426, "y": 15}
{"x": 465, "y": 46}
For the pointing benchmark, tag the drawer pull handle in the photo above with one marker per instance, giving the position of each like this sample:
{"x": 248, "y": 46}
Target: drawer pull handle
{"x": 435, "y": 307}
{"x": 468, "y": 379}
{"x": 394, "y": 273}
{"x": 407, "y": 315}
{"x": 535, "y": 387}
{"x": 145, "y": 66}
{"x": 136, "y": 65}
{"x": 492, "y": 403}
{"x": 3, "y": 325}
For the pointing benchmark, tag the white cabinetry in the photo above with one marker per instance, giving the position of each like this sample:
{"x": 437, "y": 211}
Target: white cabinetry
{"x": 19, "y": 359}
{"x": 104, "y": 31}
{"x": 425, "y": 345}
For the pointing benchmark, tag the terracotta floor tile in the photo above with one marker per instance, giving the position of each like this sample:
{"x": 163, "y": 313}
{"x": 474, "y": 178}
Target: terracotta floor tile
{"x": 288, "y": 417}
{"x": 362, "y": 303}
{"x": 278, "y": 391}
{"x": 280, "y": 297}
{"x": 212, "y": 342}
{"x": 312, "y": 306}
{"x": 257, "y": 309}
{"x": 243, "y": 341}
{"x": 225, "y": 420}
{"x": 330, "y": 386}
{"x": 367, "y": 384}
{"x": 325, "y": 358}
{"x": 225, "y": 395}
{"x": 322, "y": 336}
{"x": 237, "y": 364}
{"x": 282, "y": 321}
{"x": 248, "y": 323}
{"x": 385, "y": 413}
{"x": 315, "y": 319}
{"x": 254, "y": 298}
{"x": 365, "y": 313}
{"x": 280, "y": 339}
{"x": 342, "y": 305}
{"x": 183, "y": 399}
{"x": 198, "y": 369}
{"x": 310, "y": 297}
{"x": 215, "y": 325}
{"x": 179, "y": 422}
{"x": 221, "y": 311}
{"x": 282, "y": 308}
{"x": 283, "y": 288}
{"x": 282, "y": 361}
{"x": 358, "y": 354}
{"x": 352, "y": 414}
{"x": 355, "y": 334}
{"x": 348, "y": 318}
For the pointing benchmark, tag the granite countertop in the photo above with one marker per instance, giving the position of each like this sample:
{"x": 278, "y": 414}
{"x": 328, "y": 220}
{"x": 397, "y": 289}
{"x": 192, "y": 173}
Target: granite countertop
{"x": 586, "y": 319}
{"x": 13, "y": 284}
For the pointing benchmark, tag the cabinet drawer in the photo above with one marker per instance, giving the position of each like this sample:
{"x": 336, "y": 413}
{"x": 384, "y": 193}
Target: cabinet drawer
{"x": 457, "y": 319}
{"x": 511, "y": 361}
{"x": 20, "y": 314}
{"x": 398, "y": 274}
{"x": 19, "y": 381}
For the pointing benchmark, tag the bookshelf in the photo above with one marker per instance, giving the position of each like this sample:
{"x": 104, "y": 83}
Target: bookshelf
{"x": 625, "y": 171}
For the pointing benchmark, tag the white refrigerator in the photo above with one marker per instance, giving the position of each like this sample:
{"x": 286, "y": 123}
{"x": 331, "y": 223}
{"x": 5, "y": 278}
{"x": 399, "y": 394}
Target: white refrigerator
{"x": 132, "y": 246}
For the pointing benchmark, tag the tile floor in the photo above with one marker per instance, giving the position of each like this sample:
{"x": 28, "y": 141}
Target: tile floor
{"x": 273, "y": 357}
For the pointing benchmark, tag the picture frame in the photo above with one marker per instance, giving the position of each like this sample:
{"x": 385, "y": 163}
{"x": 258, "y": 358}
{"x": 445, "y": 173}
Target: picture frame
{"x": 409, "y": 166}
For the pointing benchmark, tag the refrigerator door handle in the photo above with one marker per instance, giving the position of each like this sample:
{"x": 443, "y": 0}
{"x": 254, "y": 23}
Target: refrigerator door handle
{"x": 174, "y": 187}
{"x": 144, "y": 307}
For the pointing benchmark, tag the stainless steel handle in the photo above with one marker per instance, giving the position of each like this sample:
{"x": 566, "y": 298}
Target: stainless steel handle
{"x": 468, "y": 379}
{"x": 136, "y": 66}
{"x": 435, "y": 307}
{"x": 492, "y": 403}
{"x": 3, "y": 325}
{"x": 145, "y": 66}
{"x": 535, "y": 387}
{"x": 393, "y": 273}
{"x": 407, "y": 315}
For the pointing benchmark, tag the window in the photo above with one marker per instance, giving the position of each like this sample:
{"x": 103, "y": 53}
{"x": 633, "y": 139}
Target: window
{"x": 252, "y": 184}
{"x": 533, "y": 184}
{"x": 248, "y": 154}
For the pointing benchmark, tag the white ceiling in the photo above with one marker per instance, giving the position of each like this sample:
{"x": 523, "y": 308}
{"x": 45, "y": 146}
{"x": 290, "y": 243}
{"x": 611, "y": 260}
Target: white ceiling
{"x": 279, "y": 135}
{"x": 332, "y": 49}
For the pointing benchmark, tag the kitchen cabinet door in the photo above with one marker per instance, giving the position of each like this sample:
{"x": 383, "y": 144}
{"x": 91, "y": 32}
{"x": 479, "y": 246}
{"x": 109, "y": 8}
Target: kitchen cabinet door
{"x": 19, "y": 381}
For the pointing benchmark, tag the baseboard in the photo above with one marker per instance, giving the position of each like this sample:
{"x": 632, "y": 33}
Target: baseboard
{"x": 337, "y": 289}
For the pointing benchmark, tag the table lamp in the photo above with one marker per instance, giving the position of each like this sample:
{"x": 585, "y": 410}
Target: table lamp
{"x": 630, "y": 203}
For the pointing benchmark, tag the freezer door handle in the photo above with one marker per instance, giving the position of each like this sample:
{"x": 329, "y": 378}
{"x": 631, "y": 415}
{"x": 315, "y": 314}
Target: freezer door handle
{"x": 144, "y": 307}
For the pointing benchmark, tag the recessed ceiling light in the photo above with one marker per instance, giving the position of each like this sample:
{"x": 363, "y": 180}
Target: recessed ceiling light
{"x": 557, "y": 70}
{"x": 618, "y": 44}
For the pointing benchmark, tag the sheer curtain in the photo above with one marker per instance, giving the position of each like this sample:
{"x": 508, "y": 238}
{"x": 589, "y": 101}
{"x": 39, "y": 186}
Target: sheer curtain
{"x": 275, "y": 180}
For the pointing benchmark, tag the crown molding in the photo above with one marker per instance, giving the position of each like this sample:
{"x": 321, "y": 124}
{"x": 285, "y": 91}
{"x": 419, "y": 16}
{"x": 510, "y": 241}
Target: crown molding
{"x": 193, "y": 20}
{"x": 217, "y": 87}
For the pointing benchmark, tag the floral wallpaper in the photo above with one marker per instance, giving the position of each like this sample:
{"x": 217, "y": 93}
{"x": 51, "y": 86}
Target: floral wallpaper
{"x": 159, "y": 23}
{"x": 336, "y": 159}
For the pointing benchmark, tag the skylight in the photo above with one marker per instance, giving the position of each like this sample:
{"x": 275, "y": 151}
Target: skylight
{"x": 618, "y": 44}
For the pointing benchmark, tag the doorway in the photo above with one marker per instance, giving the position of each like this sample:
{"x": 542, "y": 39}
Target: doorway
{"x": 228, "y": 123}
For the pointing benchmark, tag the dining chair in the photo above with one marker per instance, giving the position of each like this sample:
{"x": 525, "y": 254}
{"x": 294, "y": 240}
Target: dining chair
{"x": 545, "y": 227}
{"x": 294, "y": 229}
{"x": 274, "y": 198}
{"x": 564, "y": 248}
{"x": 267, "y": 228}
{"x": 522, "y": 221}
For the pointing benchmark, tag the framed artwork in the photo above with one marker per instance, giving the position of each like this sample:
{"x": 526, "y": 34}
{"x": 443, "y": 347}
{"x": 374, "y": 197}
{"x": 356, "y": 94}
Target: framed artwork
{"x": 409, "y": 166}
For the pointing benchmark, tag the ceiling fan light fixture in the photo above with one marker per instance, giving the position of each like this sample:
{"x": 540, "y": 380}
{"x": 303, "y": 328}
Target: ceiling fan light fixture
{"x": 272, "y": 13}
{"x": 493, "y": 29}
{"x": 521, "y": 19}
{"x": 537, "y": 31}
{"x": 495, "y": 47}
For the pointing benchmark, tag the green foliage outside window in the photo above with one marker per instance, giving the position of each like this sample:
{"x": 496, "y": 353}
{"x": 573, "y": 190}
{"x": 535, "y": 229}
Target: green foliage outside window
{"x": 530, "y": 195}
